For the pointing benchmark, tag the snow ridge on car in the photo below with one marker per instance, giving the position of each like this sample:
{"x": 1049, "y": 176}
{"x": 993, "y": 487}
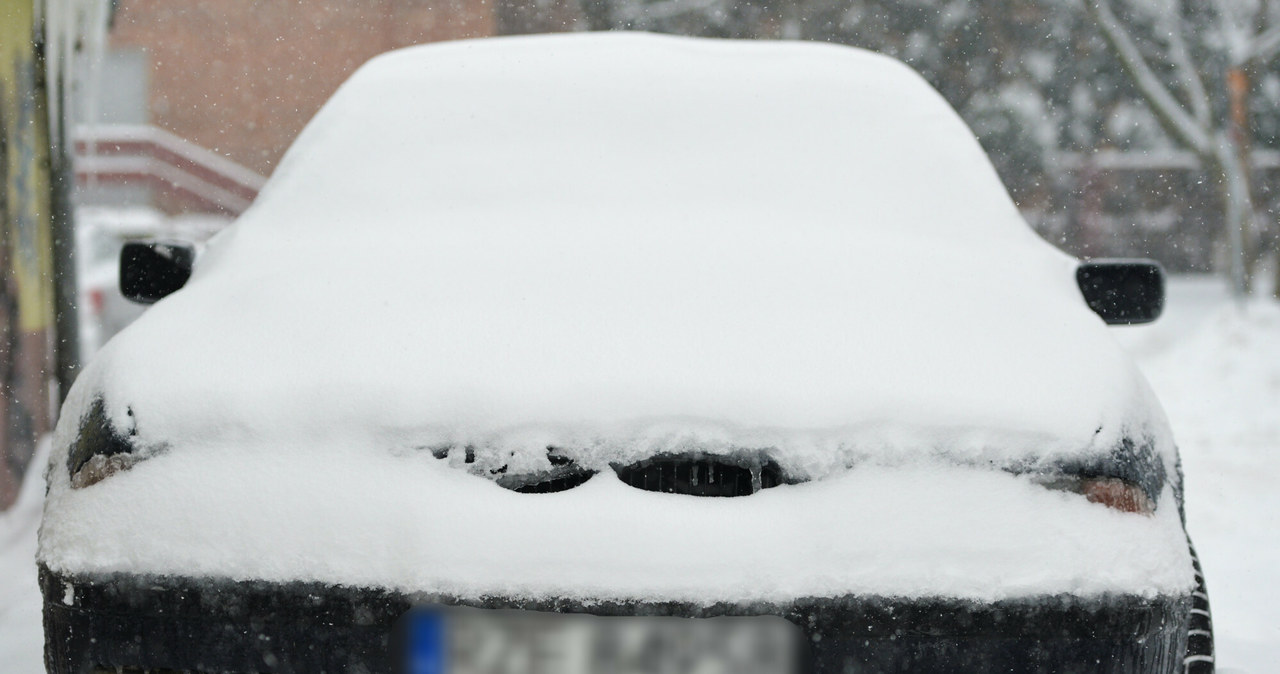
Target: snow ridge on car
{"x": 736, "y": 471}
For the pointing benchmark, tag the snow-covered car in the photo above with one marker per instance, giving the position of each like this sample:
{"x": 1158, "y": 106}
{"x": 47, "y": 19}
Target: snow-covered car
{"x": 459, "y": 391}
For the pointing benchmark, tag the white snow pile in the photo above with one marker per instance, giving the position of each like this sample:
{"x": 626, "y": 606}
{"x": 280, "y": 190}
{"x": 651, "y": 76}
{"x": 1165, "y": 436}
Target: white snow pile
{"x": 1232, "y": 384}
{"x": 623, "y": 245}
{"x": 21, "y": 635}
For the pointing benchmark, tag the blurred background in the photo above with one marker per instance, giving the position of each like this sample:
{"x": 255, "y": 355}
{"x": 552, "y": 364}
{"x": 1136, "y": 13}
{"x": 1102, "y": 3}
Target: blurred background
{"x": 1122, "y": 128}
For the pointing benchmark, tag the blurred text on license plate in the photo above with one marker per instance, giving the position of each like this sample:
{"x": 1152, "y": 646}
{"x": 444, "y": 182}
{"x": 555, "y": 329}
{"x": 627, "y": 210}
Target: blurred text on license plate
{"x": 479, "y": 641}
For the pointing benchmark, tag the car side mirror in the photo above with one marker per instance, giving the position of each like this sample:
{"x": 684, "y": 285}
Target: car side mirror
{"x": 153, "y": 270}
{"x": 1123, "y": 292}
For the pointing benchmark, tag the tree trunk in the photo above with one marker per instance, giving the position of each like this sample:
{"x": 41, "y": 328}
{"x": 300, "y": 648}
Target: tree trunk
{"x": 1238, "y": 208}
{"x": 1275, "y": 285}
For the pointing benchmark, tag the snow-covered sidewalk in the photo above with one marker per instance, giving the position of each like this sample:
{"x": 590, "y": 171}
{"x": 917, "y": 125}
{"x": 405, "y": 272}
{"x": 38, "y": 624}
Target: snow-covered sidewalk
{"x": 1216, "y": 369}
{"x": 21, "y": 633}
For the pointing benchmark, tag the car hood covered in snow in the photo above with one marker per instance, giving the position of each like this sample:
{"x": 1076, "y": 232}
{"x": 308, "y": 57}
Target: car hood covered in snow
{"x": 619, "y": 246}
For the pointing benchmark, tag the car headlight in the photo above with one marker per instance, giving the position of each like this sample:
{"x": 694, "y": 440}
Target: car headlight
{"x": 1112, "y": 492}
{"x": 99, "y": 450}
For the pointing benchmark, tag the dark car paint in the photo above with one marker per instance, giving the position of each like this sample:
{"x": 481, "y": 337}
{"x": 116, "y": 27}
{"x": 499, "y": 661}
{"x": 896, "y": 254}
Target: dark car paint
{"x": 143, "y": 623}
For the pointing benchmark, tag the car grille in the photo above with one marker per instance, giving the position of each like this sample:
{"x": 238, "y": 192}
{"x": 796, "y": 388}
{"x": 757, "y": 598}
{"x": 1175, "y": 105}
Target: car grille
{"x": 700, "y": 475}
{"x": 102, "y": 669}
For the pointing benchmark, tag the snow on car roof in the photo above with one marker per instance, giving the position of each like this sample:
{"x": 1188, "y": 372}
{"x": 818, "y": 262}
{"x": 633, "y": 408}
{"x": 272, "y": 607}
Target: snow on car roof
{"x": 630, "y": 241}
{"x": 590, "y": 125}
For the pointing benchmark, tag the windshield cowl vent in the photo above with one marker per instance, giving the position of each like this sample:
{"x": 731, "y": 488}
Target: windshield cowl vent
{"x": 702, "y": 475}
{"x": 559, "y": 478}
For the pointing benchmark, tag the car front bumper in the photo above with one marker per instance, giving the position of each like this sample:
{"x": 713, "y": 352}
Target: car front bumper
{"x": 118, "y": 622}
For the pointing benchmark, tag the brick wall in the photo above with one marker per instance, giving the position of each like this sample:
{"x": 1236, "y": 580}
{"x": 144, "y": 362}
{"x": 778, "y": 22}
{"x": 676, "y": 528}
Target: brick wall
{"x": 243, "y": 77}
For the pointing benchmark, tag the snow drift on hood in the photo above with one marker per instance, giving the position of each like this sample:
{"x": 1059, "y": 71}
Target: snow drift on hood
{"x": 628, "y": 244}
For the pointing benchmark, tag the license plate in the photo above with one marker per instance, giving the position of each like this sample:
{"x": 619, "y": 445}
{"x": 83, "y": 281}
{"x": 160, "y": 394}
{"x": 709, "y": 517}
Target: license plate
{"x": 479, "y": 641}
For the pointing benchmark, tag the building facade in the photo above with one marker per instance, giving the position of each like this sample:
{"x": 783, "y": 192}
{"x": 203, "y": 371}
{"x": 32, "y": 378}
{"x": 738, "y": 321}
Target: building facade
{"x": 243, "y": 77}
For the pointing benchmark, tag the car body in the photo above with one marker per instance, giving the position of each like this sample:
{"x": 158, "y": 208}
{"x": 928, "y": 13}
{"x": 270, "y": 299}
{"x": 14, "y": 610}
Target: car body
{"x": 511, "y": 312}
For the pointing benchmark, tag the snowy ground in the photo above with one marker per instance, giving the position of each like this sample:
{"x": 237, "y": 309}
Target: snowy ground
{"x": 1217, "y": 369}
{"x": 21, "y": 633}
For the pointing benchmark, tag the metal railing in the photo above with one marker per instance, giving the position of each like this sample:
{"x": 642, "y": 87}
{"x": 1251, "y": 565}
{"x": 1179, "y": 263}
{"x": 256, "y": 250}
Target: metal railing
{"x": 147, "y": 155}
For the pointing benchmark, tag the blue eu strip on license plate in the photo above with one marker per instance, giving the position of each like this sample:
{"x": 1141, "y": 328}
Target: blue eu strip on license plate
{"x": 447, "y": 640}
{"x": 427, "y": 651}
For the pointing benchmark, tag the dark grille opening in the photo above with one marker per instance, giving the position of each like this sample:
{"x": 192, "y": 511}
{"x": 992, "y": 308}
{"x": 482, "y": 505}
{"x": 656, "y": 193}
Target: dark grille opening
{"x": 563, "y": 474}
{"x": 549, "y": 482}
{"x": 702, "y": 475}
{"x": 105, "y": 669}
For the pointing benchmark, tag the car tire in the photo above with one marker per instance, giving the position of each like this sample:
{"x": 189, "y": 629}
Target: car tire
{"x": 1199, "y": 657}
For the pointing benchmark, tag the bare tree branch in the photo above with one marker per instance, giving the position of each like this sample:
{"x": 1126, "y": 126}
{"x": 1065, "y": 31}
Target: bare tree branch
{"x": 1172, "y": 117}
{"x": 1230, "y": 22}
{"x": 1265, "y": 46}
{"x": 1188, "y": 74}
